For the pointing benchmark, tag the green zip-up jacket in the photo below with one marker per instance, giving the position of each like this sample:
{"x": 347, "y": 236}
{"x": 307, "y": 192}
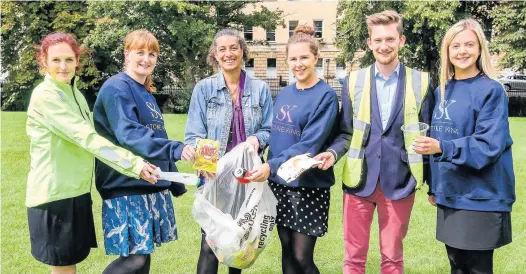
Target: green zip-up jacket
{"x": 64, "y": 143}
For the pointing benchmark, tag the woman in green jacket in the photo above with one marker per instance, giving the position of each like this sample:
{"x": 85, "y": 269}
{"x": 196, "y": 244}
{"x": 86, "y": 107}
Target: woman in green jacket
{"x": 63, "y": 146}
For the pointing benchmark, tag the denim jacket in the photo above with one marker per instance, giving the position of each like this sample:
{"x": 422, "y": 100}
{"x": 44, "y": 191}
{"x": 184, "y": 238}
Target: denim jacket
{"x": 210, "y": 113}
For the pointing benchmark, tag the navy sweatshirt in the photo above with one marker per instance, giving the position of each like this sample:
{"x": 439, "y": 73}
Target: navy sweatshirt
{"x": 128, "y": 115}
{"x": 475, "y": 169}
{"x": 302, "y": 123}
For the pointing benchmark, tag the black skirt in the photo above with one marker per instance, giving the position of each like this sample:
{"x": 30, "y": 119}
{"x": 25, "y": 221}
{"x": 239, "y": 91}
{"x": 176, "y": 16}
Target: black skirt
{"x": 305, "y": 210}
{"x": 473, "y": 230}
{"x": 62, "y": 232}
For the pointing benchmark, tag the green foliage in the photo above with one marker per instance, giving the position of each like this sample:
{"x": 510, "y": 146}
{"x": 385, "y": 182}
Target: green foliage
{"x": 425, "y": 22}
{"x": 24, "y": 24}
{"x": 510, "y": 25}
{"x": 184, "y": 30}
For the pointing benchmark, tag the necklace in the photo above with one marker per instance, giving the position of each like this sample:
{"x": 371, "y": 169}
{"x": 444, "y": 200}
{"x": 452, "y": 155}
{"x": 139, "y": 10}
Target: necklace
{"x": 235, "y": 93}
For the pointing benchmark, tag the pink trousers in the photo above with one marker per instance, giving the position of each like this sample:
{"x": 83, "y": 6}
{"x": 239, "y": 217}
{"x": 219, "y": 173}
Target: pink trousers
{"x": 393, "y": 219}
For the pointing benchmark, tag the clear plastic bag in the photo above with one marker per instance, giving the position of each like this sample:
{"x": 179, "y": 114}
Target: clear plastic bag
{"x": 238, "y": 219}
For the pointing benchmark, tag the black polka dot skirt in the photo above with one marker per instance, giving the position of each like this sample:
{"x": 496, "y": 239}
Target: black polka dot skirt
{"x": 305, "y": 210}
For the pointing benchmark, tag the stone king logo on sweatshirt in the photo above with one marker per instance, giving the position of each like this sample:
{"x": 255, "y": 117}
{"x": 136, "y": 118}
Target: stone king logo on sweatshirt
{"x": 155, "y": 113}
{"x": 285, "y": 121}
{"x": 157, "y": 117}
{"x": 442, "y": 121}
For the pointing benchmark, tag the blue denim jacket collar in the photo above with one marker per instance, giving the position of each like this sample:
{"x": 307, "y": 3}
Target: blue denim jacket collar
{"x": 221, "y": 85}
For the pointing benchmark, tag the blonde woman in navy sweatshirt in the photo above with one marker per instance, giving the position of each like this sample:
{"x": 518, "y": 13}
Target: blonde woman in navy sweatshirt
{"x": 473, "y": 183}
{"x": 304, "y": 113}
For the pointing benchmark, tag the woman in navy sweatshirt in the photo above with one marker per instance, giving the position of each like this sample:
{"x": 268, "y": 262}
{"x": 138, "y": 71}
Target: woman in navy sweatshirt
{"x": 136, "y": 215}
{"x": 304, "y": 114}
{"x": 473, "y": 184}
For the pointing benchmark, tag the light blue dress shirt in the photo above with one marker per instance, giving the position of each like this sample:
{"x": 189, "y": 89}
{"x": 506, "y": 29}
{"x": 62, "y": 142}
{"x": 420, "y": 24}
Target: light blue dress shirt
{"x": 385, "y": 92}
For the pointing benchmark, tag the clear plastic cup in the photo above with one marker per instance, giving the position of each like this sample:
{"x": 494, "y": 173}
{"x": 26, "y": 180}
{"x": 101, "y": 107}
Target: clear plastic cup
{"x": 411, "y": 131}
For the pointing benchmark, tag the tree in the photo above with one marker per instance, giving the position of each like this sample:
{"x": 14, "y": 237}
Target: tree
{"x": 184, "y": 29}
{"x": 510, "y": 39}
{"x": 425, "y": 23}
{"x": 24, "y": 24}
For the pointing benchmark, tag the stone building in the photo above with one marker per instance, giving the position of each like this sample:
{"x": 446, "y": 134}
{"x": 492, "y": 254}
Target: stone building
{"x": 267, "y": 60}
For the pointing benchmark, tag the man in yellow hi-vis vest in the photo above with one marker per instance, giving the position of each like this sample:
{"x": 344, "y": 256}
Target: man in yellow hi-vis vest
{"x": 381, "y": 170}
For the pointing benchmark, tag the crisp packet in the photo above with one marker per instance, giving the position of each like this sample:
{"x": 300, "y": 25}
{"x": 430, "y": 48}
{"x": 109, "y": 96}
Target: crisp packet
{"x": 295, "y": 166}
{"x": 207, "y": 154}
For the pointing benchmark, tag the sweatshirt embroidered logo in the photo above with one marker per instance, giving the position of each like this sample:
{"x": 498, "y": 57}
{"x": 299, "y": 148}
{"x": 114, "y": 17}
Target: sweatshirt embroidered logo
{"x": 285, "y": 113}
{"x": 443, "y": 109}
{"x": 155, "y": 113}
{"x": 442, "y": 121}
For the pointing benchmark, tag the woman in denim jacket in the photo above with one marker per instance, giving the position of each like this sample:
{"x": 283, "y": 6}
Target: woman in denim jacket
{"x": 230, "y": 107}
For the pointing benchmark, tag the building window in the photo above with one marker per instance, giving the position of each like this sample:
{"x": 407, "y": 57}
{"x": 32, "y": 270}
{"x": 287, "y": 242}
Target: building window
{"x": 249, "y": 67}
{"x": 250, "y": 63}
{"x": 271, "y": 36}
{"x": 319, "y": 64}
{"x": 271, "y": 68}
{"x": 249, "y": 33}
{"x": 292, "y": 26}
{"x": 319, "y": 67}
{"x": 318, "y": 28}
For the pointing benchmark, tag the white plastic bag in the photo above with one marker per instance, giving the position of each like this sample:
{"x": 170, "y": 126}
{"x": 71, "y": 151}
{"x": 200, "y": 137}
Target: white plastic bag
{"x": 238, "y": 219}
{"x": 295, "y": 166}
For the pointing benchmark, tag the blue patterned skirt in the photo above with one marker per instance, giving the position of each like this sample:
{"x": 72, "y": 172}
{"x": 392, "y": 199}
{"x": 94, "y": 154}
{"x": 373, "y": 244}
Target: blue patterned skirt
{"x": 133, "y": 224}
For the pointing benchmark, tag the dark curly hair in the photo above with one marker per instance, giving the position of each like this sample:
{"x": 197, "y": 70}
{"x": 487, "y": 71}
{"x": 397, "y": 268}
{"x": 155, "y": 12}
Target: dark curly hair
{"x": 227, "y": 32}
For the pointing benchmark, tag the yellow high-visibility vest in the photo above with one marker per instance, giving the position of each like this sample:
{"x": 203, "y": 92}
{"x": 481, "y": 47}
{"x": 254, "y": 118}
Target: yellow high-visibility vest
{"x": 359, "y": 86}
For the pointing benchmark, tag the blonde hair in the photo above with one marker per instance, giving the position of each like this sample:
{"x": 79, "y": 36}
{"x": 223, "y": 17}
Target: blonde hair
{"x": 142, "y": 39}
{"x": 385, "y": 17}
{"x": 483, "y": 63}
{"x": 304, "y": 34}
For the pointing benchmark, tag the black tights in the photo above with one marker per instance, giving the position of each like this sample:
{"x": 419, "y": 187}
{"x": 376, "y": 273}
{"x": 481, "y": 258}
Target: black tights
{"x": 297, "y": 252}
{"x": 470, "y": 261}
{"x": 133, "y": 264}
{"x": 208, "y": 263}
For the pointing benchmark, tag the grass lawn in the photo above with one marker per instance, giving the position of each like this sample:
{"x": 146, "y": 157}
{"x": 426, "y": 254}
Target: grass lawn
{"x": 423, "y": 254}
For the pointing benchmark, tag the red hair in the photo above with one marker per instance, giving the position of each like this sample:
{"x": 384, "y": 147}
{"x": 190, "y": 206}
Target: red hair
{"x": 143, "y": 39}
{"x": 57, "y": 38}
